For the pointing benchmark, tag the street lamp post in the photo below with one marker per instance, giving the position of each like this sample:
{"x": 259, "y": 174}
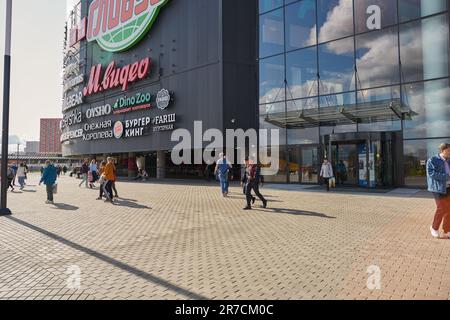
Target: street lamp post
{"x": 6, "y": 96}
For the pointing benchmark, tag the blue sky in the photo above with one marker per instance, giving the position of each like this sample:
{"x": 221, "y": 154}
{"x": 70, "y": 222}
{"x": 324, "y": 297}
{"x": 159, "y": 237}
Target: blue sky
{"x": 37, "y": 51}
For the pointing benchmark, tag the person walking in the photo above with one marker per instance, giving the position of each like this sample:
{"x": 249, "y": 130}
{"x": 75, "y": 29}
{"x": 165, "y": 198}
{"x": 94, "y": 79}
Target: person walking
{"x": 101, "y": 180}
{"x": 84, "y": 173}
{"x": 327, "y": 173}
{"x": 26, "y": 173}
{"x": 244, "y": 178}
{"x": 254, "y": 178}
{"x": 341, "y": 173}
{"x": 93, "y": 175}
{"x": 223, "y": 168}
{"x": 438, "y": 178}
{"x": 14, "y": 168}
{"x": 108, "y": 177}
{"x": 21, "y": 175}
{"x": 10, "y": 176}
{"x": 65, "y": 170}
{"x": 49, "y": 179}
{"x": 113, "y": 184}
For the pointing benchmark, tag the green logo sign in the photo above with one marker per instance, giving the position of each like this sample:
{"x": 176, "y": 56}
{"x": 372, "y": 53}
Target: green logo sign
{"x": 118, "y": 25}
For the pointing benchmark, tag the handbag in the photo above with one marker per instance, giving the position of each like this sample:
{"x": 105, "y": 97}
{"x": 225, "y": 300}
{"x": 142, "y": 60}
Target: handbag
{"x": 332, "y": 182}
{"x": 55, "y": 188}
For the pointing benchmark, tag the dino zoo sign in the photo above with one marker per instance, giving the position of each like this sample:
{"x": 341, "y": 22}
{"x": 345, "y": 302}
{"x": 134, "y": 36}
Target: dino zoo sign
{"x": 118, "y": 25}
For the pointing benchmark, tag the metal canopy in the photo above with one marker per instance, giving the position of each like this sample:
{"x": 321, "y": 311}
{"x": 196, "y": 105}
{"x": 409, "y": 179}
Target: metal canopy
{"x": 386, "y": 110}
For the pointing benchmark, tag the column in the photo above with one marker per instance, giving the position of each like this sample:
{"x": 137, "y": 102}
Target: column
{"x": 132, "y": 167}
{"x": 161, "y": 165}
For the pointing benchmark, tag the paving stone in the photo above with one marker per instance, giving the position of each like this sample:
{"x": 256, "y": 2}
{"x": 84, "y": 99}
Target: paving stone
{"x": 177, "y": 240}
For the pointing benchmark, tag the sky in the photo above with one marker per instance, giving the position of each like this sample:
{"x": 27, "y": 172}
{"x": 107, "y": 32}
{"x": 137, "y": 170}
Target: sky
{"x": 37, "y": 54}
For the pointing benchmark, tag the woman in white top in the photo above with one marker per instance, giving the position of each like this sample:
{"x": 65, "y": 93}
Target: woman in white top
{"x": 327, "y": 173}
{"x": 21, "y": 174}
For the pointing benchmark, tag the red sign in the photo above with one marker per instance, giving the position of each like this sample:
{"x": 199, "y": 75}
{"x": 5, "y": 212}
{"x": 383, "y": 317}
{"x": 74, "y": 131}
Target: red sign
{"x": 116, "y": 77}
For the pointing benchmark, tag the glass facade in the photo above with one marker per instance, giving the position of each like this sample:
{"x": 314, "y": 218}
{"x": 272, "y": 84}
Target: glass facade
{"x": 355, "y": 69}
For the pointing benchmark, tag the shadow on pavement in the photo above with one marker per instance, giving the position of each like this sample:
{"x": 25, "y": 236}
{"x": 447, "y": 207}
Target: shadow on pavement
{"x": 29, "y": 191}
{"x": 297, "y": 212}
{"x": 129, "y": 204}
{"x": 116, "y": 263}
{"x": 124, "y": 199}
{"x": 66, "y": 207}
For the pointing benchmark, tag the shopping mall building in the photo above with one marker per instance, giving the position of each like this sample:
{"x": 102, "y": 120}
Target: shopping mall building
{"x": 364, "y": 83}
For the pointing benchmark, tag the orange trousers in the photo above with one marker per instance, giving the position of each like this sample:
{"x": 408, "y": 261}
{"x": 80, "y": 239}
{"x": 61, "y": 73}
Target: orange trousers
{"x": 442, "y": 215}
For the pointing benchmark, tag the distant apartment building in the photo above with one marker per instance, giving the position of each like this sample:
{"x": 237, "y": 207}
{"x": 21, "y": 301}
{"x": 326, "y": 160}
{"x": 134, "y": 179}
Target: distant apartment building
{"x": 50, "y": 136}
{"x": 32, "y": 147}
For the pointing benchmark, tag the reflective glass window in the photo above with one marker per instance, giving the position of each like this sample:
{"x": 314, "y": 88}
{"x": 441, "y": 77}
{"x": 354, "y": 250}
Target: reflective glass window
{"x": 271, "y": 79}
{"x": 337, "y": 66}
{"x": 301, "y": 24}
{"x": 301, "y": 70}
{"x": 377, "y": 58}
{"x": 271, "y": 33}
{"x": 424, "y": 48}
{"x": 430, "y": 103}
{"x": 267, "y": 5}
{"x": 414, "y": 9}
{"x": 416, "y": 154}
{"x": 335, "y": 19}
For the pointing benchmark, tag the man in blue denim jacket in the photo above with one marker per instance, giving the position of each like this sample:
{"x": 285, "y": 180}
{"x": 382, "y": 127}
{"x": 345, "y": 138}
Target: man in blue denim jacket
{"x": 438, "y": 176}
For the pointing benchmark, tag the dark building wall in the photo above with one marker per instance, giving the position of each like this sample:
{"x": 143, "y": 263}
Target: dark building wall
{"x": 240, "y": 36}
{"x": 204, "y": 52}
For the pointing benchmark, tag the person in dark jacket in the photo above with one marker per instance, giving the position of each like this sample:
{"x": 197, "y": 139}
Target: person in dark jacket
{"x": 438, "y": 177}
{"x": 84, "y": 173}
{"x": 49, "y": 179}
{"x": 254, "y": 179}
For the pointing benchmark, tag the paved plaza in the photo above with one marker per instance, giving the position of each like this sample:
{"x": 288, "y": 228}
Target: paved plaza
{"x": 182, "y": 240}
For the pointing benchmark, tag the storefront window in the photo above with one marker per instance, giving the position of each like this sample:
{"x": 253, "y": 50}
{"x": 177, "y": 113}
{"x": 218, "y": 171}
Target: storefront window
{"x": 431, "y": 103}
{"x": 377, "y": 58}
{"x": 414, "y": 9}
{"x": 432, "y": 60}
{"x": 271, "y": 33}
{"x": 337, "y": 66}
{"x": 271, "y": 79}
{"x": 302, "y": 73}
{"x": 335, "y": 19}
{"x": 304, "y": 164}
{"x": 416, "y": 154}
{"x": 367, "y": 17}
{"x": 301, "y": 24}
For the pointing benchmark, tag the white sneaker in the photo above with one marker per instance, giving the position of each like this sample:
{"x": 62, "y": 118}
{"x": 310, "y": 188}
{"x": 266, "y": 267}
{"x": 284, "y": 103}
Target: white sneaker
{"x": 434, "y": 233}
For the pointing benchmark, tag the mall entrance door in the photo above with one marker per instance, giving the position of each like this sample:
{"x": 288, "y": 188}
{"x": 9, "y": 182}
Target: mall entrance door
{"x": 363, "y": 159}
{"x": 345, "y": 159}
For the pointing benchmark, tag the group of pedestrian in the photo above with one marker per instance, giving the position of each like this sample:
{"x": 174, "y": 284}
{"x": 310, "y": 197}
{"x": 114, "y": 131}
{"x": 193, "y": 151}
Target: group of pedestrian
{"x": 107, "y": 178}
{"x": 20, "y": 172}
{"x": 105, "y": 174}
{"x": 251, "y": 180}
